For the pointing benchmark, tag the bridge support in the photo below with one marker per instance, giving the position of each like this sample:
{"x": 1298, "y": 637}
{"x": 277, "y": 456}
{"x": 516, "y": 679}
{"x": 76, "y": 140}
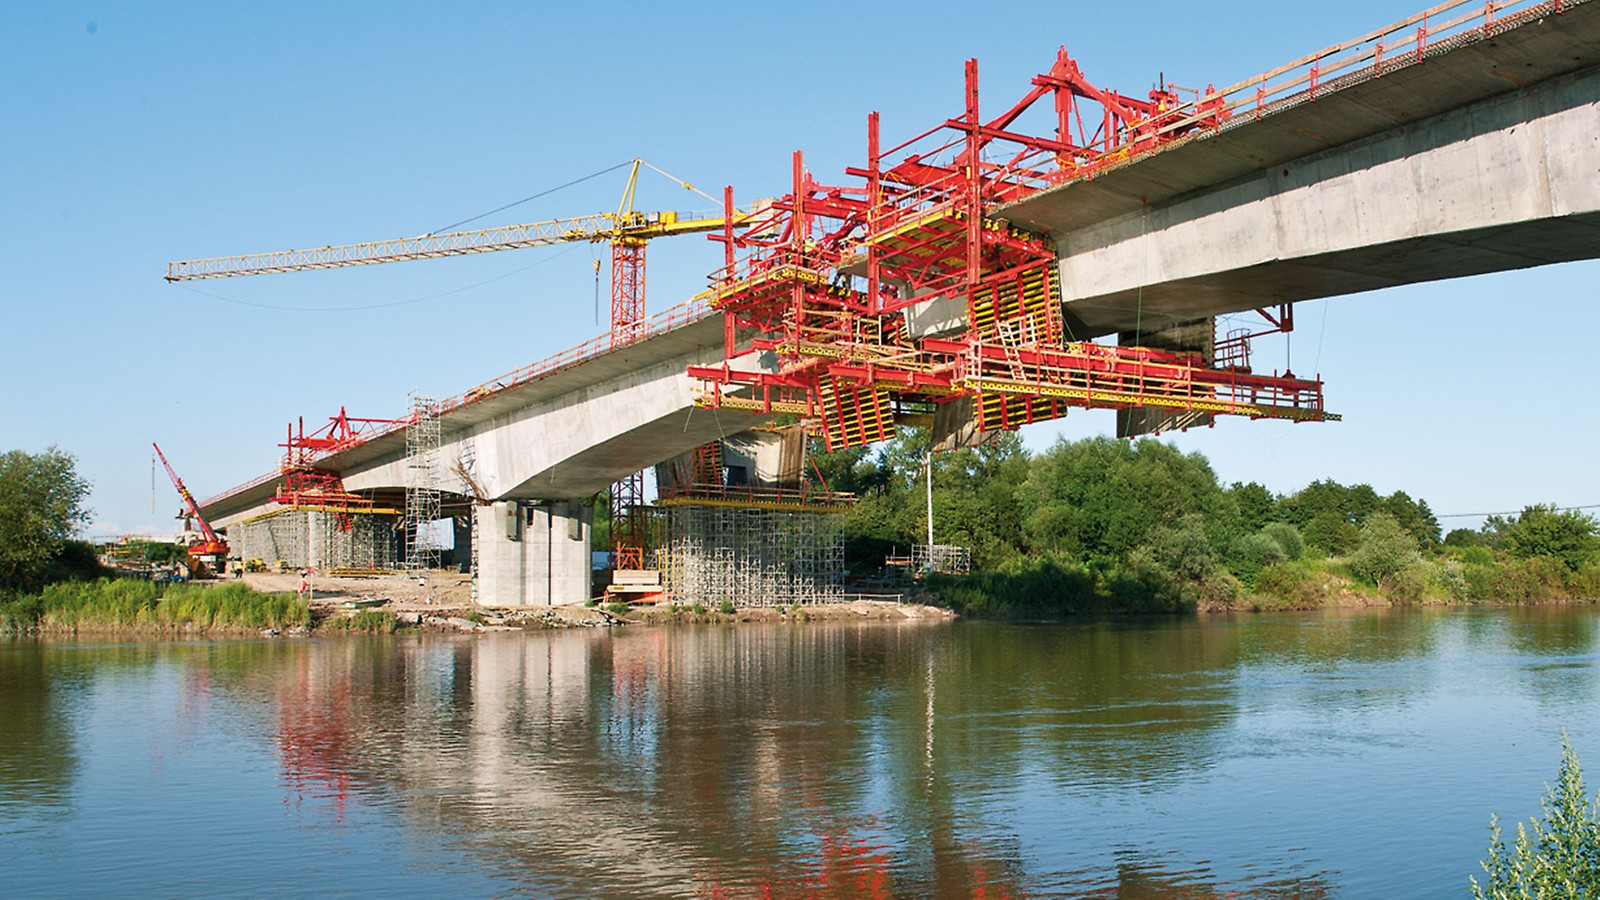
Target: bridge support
{"x": 533, "y": 553}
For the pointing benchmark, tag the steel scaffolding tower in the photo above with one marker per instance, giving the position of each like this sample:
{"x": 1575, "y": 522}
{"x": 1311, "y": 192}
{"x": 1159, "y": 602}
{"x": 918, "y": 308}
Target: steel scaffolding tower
{"x": 751, "y": 557}
{"x": 423, "y": 497}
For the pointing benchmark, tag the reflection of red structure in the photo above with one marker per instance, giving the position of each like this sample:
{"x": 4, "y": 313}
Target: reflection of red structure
{"x": 313, "y": 738}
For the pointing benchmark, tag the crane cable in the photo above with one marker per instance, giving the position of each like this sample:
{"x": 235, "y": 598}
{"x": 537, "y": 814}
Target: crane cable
{"x": 454, "y": 225}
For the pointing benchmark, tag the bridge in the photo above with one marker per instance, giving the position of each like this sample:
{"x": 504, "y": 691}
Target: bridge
{"x": 960, "y": 278}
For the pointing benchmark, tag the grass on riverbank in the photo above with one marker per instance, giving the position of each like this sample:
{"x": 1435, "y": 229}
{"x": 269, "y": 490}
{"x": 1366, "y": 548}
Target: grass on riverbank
{"x": 122, "y": 604}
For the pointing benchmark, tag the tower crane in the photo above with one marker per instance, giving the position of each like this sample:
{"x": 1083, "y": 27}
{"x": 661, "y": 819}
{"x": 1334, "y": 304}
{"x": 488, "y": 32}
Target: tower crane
{"x": 627, "y": 230}
{"x": 210, "y": 548}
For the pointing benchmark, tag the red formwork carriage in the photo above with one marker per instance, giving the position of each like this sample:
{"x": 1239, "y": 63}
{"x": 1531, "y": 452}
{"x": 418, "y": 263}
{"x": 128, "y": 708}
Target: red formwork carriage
{"x": 828, "y": 276}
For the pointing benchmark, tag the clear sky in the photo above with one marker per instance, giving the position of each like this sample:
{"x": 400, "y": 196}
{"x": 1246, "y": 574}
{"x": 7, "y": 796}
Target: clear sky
{"x": 139, "y": 133}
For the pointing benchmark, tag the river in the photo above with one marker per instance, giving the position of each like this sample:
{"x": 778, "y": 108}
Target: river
{"x": 1349, "y": 755}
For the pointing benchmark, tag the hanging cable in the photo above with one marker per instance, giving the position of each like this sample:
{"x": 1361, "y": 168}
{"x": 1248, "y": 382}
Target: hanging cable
{"x": 454, "y": 225}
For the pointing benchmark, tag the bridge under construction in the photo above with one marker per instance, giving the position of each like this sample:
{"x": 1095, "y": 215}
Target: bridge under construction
{"x": 958, "y": 280}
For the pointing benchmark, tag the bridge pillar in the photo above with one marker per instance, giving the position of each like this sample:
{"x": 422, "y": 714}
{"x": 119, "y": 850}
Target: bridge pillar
{"x": 533, "y": 553}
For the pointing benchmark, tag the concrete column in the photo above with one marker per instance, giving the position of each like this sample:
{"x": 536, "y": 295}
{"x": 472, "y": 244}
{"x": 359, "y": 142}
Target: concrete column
{"x": 314, "y": 538}
{"x": 533, "y": 553}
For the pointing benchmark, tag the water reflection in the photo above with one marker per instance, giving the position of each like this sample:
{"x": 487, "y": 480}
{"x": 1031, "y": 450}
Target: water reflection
{"x": 38, "y": 750}
{"x": 1260, "y": 756}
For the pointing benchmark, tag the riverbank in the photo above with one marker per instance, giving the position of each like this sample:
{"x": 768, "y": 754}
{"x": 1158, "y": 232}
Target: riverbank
{"x": 263, "y": 604}
{"x": 1047, "y": 589}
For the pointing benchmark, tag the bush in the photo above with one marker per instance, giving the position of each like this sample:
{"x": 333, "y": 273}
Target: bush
{"x": 1253, "y": 552}
{"x": 1289, "y": 585}
{"x": 1385, "y": 551}
{"x": 726, "y": 607}
{"x": 1561, "y": 857}
{"x": 1288, "y": 538}
{"x": 362, "y": 621}
{"x": 1410, "y": 584}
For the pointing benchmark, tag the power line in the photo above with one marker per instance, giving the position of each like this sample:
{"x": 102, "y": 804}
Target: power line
{"x": 1512, "y": 512}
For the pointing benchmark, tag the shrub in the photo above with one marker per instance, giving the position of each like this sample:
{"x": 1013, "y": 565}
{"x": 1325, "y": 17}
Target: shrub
{"x": 1295, "y": 585}
{"x": 1288, "y": 538}
{"x": 1251, "y": 553}
{"x": 1410, "y": 584}
{"x": 1561, "y": 857}
{"x": 1385, "y": 550}
{"x": 726, "y": 607}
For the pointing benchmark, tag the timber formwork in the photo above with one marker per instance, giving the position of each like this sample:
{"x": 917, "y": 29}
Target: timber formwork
{"x": 751, "y": 557}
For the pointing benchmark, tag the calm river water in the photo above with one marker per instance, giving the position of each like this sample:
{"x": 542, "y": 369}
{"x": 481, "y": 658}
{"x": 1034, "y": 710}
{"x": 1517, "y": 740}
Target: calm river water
{"x": 1356, "y": 755}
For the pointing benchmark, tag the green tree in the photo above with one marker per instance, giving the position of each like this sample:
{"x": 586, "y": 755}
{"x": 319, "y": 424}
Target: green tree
{"x": 1257, "y": 506}
{"x": 1561, "y": 857}
{"x": 1288, "y": 537}
{"x": 1414, "y": 516}
{"x": 1331, "y": 533}
{"x": 41, "y": 505}
{"x": 1545, "y": 531}
{"x": 1386, "y": 550}
{"x": 1101, "y": 497}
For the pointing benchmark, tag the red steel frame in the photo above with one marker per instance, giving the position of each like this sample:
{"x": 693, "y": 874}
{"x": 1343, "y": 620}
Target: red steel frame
{"x": 822, "y": 274}
{"x": 304, "y": 486}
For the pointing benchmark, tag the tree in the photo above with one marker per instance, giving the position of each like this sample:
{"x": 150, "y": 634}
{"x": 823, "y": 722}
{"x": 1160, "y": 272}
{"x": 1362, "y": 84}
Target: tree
{"x": 1544, "y": 531}
{"x": 1386, "y": 550}
{"x": 1414, "y": 516}
{"x": 1331, "y": 533}
{"x": 1101, "y": 497}
{"x": 1561, "y": 858}
{"x": 1257, "y": 505}
{"x": 41, "y": 505}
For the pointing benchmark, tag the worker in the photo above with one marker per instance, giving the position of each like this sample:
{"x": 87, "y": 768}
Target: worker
{"x": 305, "y": 582}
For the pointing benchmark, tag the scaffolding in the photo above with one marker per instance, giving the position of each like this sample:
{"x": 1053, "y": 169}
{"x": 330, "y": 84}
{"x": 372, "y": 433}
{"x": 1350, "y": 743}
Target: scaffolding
{"x": 326, "y": 539}
{"x": 751, "y": 557}
{"x": 424, "y": 500}
{"x": 945, "y": 559}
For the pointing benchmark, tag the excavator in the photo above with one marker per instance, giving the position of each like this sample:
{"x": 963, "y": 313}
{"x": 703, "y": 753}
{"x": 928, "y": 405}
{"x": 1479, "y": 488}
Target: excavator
{"x": 209, "y": 553}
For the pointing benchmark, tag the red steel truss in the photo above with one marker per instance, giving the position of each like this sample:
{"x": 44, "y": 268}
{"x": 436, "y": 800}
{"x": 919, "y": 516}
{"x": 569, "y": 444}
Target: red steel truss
{"x": 826, "y": 276}
{"x": 304, "y": 486}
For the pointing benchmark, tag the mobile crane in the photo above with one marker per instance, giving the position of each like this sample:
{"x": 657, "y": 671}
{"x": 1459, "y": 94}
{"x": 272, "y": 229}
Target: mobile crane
{"x": 211, "y": 551}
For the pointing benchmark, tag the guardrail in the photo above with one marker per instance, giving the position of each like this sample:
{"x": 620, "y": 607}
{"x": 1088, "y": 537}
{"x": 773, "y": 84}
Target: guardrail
{"x": 1381, "y": 50}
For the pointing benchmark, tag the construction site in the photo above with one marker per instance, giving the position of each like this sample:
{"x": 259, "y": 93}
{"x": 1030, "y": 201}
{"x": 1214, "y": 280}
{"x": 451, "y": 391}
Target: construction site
{"x": 905, "y": 294}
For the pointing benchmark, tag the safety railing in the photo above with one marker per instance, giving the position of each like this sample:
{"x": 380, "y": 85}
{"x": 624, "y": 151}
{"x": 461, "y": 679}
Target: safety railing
{"x": 1371, "y": 55}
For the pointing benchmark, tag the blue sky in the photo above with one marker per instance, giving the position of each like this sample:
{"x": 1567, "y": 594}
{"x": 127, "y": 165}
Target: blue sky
{"x": 140, "y": 133}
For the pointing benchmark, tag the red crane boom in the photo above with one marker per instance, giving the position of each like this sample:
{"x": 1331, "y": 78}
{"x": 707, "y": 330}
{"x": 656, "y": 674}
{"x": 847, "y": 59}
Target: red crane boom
{"x": 212, "y": 545}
